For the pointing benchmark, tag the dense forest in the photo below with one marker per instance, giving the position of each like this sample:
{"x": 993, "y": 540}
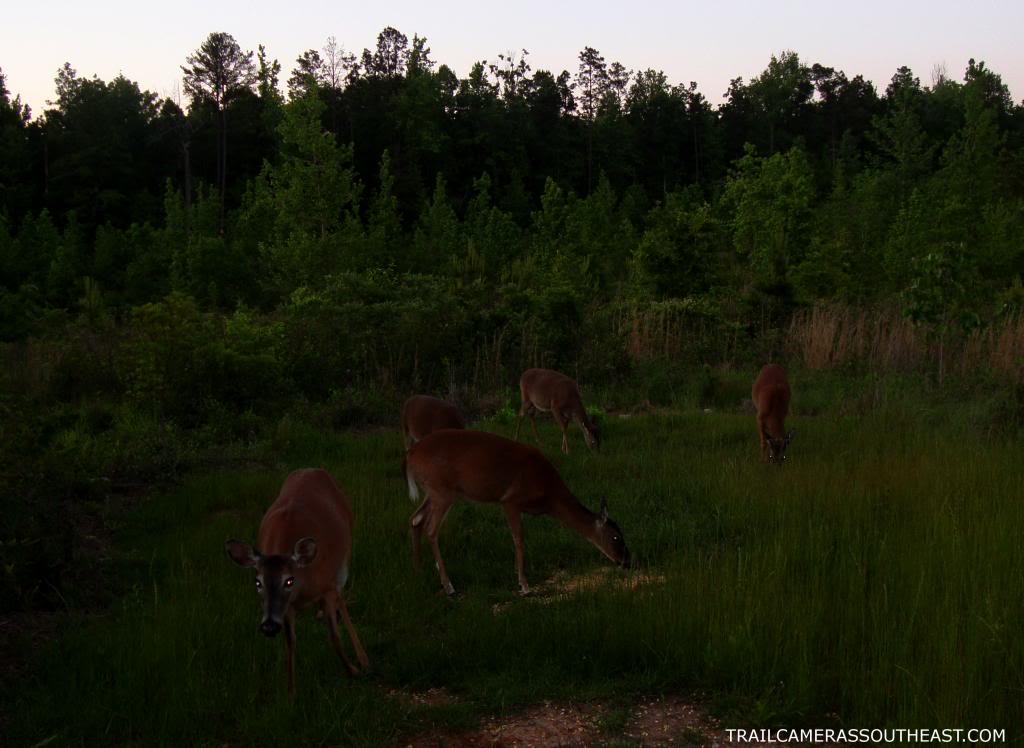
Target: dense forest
{"x": 174, "y": 276}
{"x": 605, "y": 183}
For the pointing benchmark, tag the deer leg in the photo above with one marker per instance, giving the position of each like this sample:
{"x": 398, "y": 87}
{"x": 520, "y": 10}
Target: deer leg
{"x": 289, "y": 648}
{"x": 416, "y": 528}
{"x": 438, "y": 509}
{"x": 564, "y": 425}
{"x": 331, "y": 614}
{"x": 764, "y": 442}
{"x": 356, "y": 645}
{"x": 515, "y": 524}
{"x": 533, "y": 422}
{"x": 524, "y": 408}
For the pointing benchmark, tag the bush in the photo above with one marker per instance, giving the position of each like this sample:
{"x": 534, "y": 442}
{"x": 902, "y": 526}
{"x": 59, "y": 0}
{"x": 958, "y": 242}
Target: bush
{"x": 181, "y": 362}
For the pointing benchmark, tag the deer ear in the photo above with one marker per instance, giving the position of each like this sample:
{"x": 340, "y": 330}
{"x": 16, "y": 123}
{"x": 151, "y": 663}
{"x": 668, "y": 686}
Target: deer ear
{"x": 305, "y": 552}
{"x": 241, "y": 553}
{"x": 604, "y": 509}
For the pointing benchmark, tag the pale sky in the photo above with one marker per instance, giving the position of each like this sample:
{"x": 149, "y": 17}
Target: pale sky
{"x": 708, "y": 42}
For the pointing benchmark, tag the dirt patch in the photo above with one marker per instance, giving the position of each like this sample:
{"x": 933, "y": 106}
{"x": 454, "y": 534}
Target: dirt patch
{"x": 546, "y": 724}
{"x": 564, "y": 585}
{"x": 650, "y": 721}
{"x": 673, "y": 720}
{"x": 430, "y": 697}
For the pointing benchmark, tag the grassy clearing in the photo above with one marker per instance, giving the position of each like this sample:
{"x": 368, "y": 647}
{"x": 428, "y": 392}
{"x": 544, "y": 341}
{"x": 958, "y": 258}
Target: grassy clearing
{"x": 879, "y": 576}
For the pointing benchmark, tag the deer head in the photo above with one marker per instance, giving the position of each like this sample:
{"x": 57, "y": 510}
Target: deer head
{"x": 277, "y": 577}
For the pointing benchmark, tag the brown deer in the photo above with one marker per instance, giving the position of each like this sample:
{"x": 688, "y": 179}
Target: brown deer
{"x": 305, "y": 542}
{"x": 422, "y": 414}
{"x": 771, "y": 398}
{"x": 491, "y": 469}
{"x": 547, "y": 390}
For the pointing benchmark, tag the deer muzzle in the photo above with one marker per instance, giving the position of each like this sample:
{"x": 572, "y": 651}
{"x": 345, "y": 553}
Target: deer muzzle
{"x": 270, "y": 627}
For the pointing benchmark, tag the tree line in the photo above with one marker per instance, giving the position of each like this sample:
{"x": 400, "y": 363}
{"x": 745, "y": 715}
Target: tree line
{"x": 600, "y": 184}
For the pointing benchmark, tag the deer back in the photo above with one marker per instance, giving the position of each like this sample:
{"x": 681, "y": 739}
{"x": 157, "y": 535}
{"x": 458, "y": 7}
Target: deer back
{"x": 488, "y": 468}
{"x": 771, "y": 395}
{"x": 423, "y": 414}
{"x": 548, "y": 389}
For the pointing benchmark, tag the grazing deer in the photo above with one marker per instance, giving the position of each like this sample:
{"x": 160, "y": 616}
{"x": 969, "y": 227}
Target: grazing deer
{"x": 305, "y": 542}
{"x": 771, "y": 398}
{"x": 423, "y": 414}
{"x": 492, "y": 469}
{"x": 544, "y": 389}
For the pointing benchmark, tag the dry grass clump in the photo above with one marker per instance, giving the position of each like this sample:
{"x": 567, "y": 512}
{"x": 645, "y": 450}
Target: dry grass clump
{"x": 830, "y": 336}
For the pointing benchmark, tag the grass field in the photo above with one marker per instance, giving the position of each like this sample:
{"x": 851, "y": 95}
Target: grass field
{"x": 876, "y": 580}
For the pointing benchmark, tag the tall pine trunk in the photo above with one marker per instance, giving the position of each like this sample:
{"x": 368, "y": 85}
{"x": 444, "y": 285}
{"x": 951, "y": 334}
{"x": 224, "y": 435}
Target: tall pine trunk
{"x": 222, "y": 162}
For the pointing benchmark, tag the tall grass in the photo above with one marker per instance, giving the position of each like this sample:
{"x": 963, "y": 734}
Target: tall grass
{"x": 884, "y": 341}
{"x": 878, "y": 577}
{"x": 673, "y": 330}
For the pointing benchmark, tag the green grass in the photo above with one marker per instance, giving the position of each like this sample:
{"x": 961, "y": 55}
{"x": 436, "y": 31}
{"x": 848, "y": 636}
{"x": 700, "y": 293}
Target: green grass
{"x": 878, "y": 576}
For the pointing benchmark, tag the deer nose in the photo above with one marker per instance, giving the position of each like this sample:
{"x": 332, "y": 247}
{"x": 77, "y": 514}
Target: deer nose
{"x": 270, "y": 628}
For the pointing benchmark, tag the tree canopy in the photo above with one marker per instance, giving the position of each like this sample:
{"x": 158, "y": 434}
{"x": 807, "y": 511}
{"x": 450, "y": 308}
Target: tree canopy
{"x": 806, "y": 183}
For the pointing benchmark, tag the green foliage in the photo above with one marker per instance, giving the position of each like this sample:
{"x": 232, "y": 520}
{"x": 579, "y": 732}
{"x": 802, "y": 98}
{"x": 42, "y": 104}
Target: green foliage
{"x": 770, "y": 201}
{"x": 300, "y": 215}
{"x": 181, "y": 362}
{"x": 938, "y": 292}
{"x": 314, "y": 188}
{"x": 392, "y": 328}
{"x": 104, "y": 159}
{"x": 492, "y": 237}
{"x": 847, "y": 257}
{"x": 438, "y": 234}
{"x": 901, "y": 138}
{"x": 69, "y": 263}
{"x": 26, "y": 258}
{"x": 680, "y": 251}
{"x": 383, "y": 246}
{"x": 501, "y": 181}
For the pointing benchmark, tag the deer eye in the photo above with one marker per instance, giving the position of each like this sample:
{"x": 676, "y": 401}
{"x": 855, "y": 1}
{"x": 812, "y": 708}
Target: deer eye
{"x": 259, "y": 585}
{"x": 289, "y": 581}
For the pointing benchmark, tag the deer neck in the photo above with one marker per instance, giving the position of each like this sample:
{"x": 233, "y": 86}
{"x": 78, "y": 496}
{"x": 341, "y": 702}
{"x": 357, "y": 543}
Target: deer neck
{"x": 775, "y": 426}
{"x": 580, "y": 413}
{"x": 572, "y": 514}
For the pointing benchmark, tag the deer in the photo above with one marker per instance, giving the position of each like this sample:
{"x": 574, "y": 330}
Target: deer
{"x": 302, "y": 561}
{"x": 422, "y": 414}
{"x": 490, "y": 469}
{"x": 548, "y": 390}
{"x": 771, "y": 398}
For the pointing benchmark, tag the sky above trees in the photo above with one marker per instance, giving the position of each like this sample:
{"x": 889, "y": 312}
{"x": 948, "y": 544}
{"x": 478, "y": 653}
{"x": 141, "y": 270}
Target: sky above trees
{"x": 710, "y": 43}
